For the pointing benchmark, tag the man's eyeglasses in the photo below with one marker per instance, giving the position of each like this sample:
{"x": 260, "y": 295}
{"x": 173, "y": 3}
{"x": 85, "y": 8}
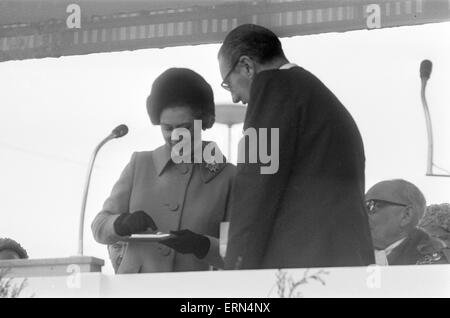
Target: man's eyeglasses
{"x": 374, "y": 205}
{"x": 225, "y": 83}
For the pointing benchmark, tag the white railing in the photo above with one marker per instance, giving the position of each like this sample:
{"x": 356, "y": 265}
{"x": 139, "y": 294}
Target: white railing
{"x": 372, "y": 281}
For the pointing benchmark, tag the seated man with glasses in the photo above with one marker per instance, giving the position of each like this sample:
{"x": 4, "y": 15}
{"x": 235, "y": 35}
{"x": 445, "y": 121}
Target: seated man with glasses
{"x": 395, "y": 208}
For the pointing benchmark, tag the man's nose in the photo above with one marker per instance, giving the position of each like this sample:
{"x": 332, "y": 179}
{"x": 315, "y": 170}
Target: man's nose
{"x": 235, "y": 98}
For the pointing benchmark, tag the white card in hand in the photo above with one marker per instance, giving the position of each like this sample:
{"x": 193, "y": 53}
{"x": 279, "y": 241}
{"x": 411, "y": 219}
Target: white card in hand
{"x": 149, "y": 237}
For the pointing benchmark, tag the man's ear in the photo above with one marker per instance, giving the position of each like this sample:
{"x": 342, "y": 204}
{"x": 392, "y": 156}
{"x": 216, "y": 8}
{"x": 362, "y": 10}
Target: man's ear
{"x": 248, "y": 65}
{"x": 408, "y": 217}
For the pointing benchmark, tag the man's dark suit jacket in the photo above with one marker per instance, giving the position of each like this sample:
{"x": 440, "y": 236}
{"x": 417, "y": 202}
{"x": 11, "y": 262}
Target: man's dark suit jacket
{"x": 311, "y": 212}
{"x": 419, "y": 249}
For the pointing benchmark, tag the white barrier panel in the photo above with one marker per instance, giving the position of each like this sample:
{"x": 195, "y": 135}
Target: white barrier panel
{"x": 372, "y": 281}
{"x": 51, "y": 266}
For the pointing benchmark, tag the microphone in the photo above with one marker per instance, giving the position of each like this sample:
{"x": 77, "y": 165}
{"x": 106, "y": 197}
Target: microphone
{"x": 425, "y": 69}
{"x": 120, "y": 131}
{"x": 117, "y": 132}
{"x": 425, "y": 72}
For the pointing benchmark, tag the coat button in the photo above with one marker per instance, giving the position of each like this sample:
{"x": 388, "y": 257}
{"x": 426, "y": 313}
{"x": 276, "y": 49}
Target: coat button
{"x": 183, "y": 168}
{"x": 164, "y": 250}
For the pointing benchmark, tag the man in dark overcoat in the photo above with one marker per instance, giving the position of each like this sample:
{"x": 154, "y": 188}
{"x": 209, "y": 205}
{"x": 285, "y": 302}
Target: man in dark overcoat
{"x": 309, "y": 212}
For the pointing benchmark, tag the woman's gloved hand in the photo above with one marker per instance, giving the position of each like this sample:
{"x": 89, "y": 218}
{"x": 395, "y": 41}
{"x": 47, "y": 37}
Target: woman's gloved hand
{"x": 132, "y": 223}
{"x": 188, "y": 242}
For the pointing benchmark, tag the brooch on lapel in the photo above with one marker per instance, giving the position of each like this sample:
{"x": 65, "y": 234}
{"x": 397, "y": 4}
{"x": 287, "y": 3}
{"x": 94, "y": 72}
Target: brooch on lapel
{"x": 210, "y": 170}
{"x": 212, "y": 167}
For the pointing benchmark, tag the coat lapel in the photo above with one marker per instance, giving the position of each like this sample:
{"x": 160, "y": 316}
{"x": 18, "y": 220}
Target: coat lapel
{"x": 161, "y": 157}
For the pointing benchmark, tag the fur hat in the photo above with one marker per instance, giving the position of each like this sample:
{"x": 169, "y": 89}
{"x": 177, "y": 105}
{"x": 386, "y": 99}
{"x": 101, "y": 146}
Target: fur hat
{"x": 181, "y": 87}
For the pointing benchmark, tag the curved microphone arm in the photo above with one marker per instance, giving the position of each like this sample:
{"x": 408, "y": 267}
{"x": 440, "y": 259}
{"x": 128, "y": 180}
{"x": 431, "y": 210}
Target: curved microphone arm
{"x": 86, "y": 190}
{"x": 429, "y": 128}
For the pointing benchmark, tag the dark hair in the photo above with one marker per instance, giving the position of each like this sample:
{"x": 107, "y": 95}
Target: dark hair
{"x": 252, "y": 40}
{"x": 181, "y": 87}
{"x": 9, "y": 244}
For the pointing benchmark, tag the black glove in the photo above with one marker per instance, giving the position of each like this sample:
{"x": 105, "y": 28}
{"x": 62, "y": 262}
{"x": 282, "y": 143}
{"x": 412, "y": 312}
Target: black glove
{"x": 188, "y": 242}
{"x": 132, "y": 223}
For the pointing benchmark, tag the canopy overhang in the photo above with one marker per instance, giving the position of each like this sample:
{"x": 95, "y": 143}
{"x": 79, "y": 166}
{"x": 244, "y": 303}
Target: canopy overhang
{"x": 50, "y": 28}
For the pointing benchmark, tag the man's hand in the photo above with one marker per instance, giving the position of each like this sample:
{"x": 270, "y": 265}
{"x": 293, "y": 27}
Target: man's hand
{"x": 188, "y": 242}
{"x": 132, "y": 223}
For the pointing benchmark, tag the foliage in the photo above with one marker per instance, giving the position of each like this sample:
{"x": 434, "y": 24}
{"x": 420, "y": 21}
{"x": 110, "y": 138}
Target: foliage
{"x": 437, "y": 214}
{"x": 287, "y": 287}
{"x": 8, "y": 289}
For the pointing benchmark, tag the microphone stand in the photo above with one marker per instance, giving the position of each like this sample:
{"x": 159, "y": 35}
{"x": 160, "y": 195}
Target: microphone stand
{"x": 86, "y": 190}
{"x": 430, "y": 163}
{"x": 429, "y": 128}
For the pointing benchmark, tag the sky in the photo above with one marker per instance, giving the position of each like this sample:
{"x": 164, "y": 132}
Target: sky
{"x": 54, "y": 111}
